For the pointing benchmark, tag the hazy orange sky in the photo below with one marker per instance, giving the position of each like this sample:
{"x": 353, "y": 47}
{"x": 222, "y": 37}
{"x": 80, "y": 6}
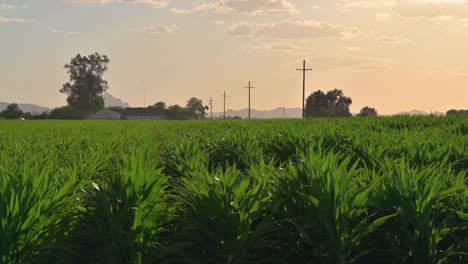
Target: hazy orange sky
{"x": 393, "y": 55}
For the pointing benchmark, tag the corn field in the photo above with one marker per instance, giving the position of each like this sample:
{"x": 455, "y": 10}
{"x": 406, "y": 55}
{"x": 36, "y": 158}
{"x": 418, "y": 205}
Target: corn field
{"x": 357, "y": 190}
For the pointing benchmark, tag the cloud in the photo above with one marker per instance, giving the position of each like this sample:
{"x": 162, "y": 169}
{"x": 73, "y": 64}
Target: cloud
{"x": 352, "y": 63}
{"x": 412, "y": 8}
{"x": 346, "y": 5}
{"x": 465, "y": 22}
{"x": 351, "y": 48}
{"x": 456, "y": 71}
{"x": 65, "y": 32}
{"x": 151, "y": 3}
{"x": 157, "y": 29}
{"x": 393, "y": 40}
{"x": 218, "y": 22}
{"x": 4, "y": 7}
{"x": 251, "y": 7}
{"x": 382, "y": 16}
{"x": 431, "y": 8}
{"x": 179, "y": 11}
{"x": 296, "y": 29}
{"x": 14, "y": 19}
{"x": 278, "y": 48}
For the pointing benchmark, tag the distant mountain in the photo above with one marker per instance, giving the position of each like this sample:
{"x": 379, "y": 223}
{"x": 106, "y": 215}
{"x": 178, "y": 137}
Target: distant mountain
{"x": 31, "y": 108}
{"x": 266, "y": 114}
{"x": 419, "y": 112}
{"x": 110, "y": 100}
{"x": 412, "y": 112}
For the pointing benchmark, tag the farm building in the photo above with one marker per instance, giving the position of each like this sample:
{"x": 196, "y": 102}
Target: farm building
{"x": 106, "y": 114}
{"x": 143, "y": 114}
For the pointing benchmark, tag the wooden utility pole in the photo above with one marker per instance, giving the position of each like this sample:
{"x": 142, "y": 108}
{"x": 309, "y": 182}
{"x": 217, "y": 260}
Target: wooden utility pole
{"x": 303, "y": 86}
{"x": 284, "y": 108}
{"x": 211, "y": 107}
{"x": 249, "y": 87}
{"x": 224, "y": 105}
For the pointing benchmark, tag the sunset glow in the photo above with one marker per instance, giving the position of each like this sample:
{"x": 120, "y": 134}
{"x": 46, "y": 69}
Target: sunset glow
{"x": 394, "y": 55}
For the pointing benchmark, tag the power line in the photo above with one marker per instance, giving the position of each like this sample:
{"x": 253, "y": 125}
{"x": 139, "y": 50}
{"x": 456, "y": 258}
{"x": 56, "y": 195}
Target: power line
{"x": 420, "y": 28}
{"x": 304, "y": 69}
{"x": 249, "y": 87}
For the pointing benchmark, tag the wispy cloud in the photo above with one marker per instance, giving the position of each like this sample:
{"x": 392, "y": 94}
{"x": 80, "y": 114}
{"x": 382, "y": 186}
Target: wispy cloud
{"x": 157, "y": 29}
{"x": 296, "y": 29}
{"x": 180, "y": 11}
{"x": 346, "y": 5}
{"x": 4, "y": 7}
{"x": 431, "y": 8}
{"x": 14, "y": 19}
{"x": 65, "y": 32}
{"x": 151, "y": 3}
{"x": 251, "y": 7}
{"x": 389, "y": 40}
{"x": 277, "y": 47}
{"x": 382, "y": 16}
{"x": 352, "y": 48}
{"x": 353, "y": 63}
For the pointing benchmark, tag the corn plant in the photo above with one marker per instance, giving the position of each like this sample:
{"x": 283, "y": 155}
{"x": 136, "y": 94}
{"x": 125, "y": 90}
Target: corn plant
{"x": 126, "y": 210}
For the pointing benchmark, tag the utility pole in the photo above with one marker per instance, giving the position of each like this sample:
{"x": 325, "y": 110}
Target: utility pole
{"x": 284, "y": 112}
{"x": 224, "y": 105}
{"x": 304, "y": 69}
{"x": 211, "y": 107}
{"x": 249, "y": 87}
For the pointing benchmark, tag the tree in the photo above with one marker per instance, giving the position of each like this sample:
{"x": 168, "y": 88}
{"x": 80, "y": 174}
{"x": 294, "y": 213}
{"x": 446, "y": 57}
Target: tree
{"x": 331, "y": 104}
{"x": 86, "y": 85}
{"x": 177, "y": 112}
{"x": 12, "y": 112}
{"x": 43, "y": 115}
{"x": 368, "y": 111}
{"x": 457, "y": 112}
{"x": 196, "y": 109}
{"x": 160, "y": 106}
{"x": 64, "y": 112}
{"x": 117, "y": 109}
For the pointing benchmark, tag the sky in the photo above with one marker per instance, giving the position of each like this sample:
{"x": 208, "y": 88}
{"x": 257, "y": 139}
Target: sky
{"x": 394, "y": 55}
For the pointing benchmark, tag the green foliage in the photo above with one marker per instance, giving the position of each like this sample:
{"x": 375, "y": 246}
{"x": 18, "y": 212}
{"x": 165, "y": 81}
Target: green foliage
{"x": 194, "y": 110}
{"x": 12, "y": 112}
{"x": 117, "y": 109}
{"x": 64, "y": 112}
{"x": 272, "y": 191}
{"x": 331, "y": 104}
{"x": 457, "y": 112}
{"x": 86, "y": 86}
{"x": 368, "y": 111}
{"x": 160, "y": 106}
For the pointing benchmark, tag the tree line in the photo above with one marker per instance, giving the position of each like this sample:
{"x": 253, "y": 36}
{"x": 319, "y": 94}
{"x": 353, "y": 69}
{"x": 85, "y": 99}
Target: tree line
{"x": 86, "y": 86}
{"x": 333, "y": 104}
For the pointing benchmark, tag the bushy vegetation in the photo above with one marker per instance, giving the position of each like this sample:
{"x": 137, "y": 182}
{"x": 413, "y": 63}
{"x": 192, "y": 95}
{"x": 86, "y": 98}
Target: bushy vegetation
{"x": 374, "y": 190}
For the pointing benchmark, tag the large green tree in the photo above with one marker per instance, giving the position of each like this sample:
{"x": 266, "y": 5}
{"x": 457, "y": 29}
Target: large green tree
{"x": 196, "y": 108}
{"x": 86, "y": 85}
{"x": 330, "y": 104}
{"x": 12, "y": 112}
